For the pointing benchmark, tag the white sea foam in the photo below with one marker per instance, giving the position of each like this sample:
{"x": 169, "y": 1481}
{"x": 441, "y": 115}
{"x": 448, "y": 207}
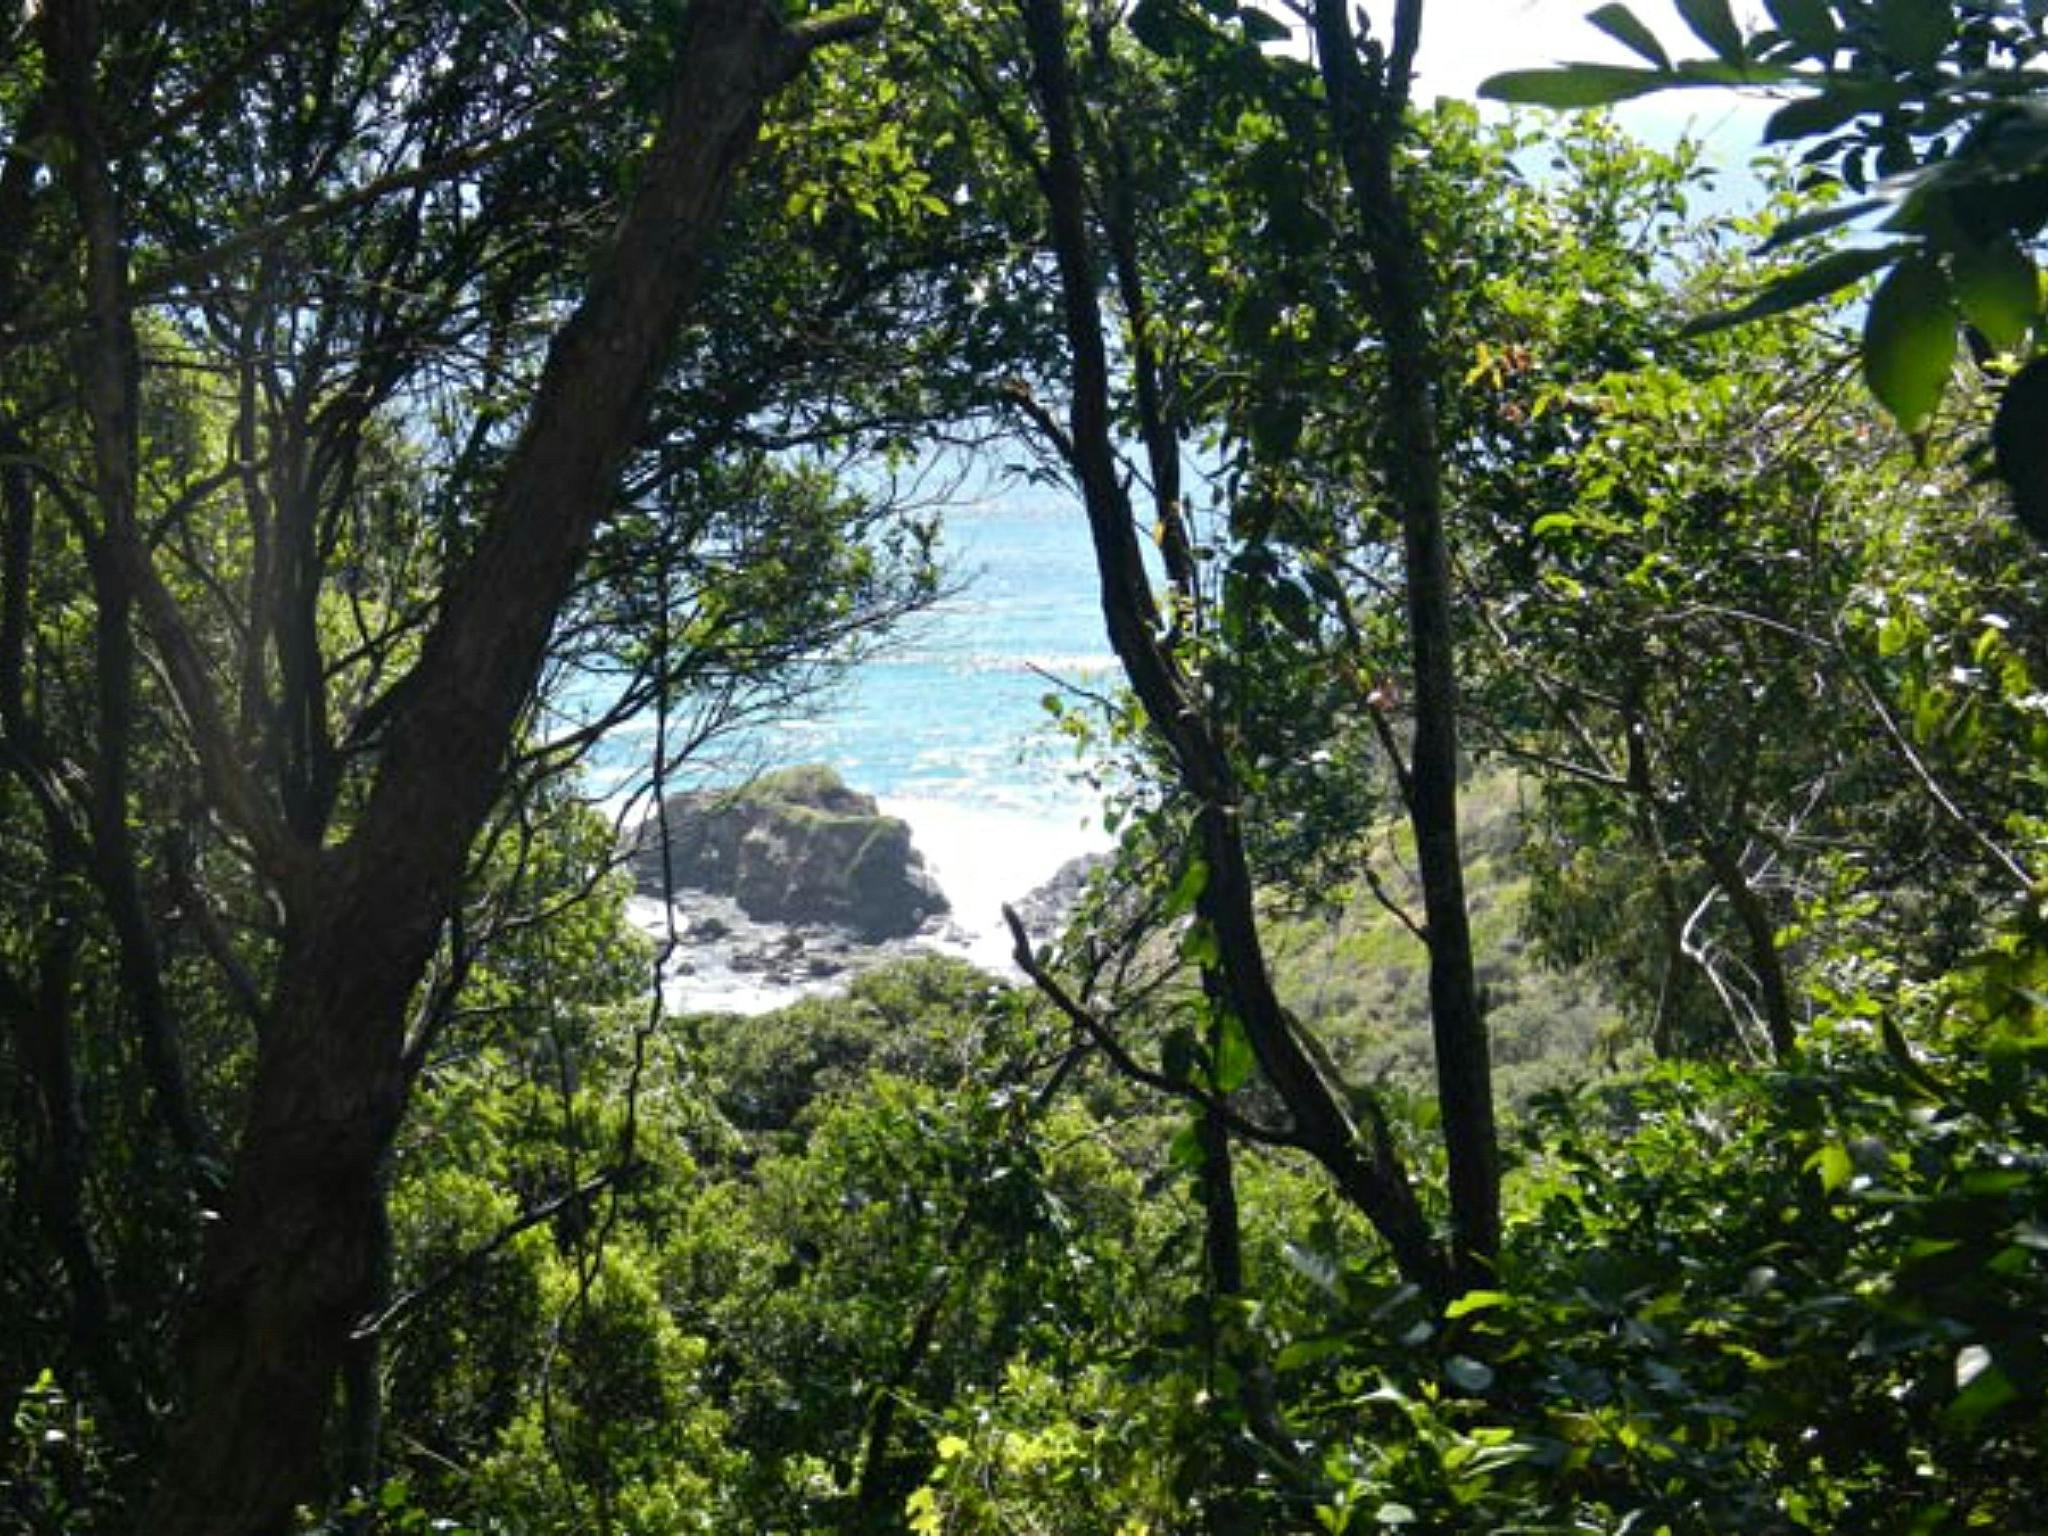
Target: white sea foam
{"x": 703, "y": 980}
{"x": 983, "y": 852}
{"x": 988, "y": 852}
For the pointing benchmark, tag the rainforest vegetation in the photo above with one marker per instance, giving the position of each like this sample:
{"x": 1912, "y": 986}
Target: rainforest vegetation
{"x": 1562, "y": 1042}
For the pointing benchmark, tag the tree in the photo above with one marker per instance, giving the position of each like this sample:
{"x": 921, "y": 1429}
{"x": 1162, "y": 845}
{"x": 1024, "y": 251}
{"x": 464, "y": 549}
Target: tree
{"x": 1106, "y": 184}
{"x": 1921, "y": 112}
{"x": 359, "y": 836}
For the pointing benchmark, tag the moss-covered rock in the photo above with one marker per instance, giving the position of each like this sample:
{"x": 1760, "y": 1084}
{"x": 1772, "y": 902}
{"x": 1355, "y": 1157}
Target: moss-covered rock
{"x": 796, "y": 846}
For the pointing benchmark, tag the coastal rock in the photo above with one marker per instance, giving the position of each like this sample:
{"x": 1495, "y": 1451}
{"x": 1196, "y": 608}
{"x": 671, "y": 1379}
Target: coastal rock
{"x": 1045, "y": 910}
{"x": 794, "y": 847}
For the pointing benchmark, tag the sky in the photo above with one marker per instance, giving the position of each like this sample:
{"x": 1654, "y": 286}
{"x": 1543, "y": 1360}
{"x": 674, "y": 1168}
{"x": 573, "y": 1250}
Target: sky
{"x": 1464, "y": 41}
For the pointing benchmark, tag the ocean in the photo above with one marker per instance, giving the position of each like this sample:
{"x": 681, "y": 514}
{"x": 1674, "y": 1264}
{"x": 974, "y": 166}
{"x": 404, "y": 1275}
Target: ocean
{"x": 946, "y": 726}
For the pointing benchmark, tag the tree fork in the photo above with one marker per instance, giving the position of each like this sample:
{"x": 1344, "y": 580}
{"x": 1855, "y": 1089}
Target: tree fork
{"x": 289, "y": 1268}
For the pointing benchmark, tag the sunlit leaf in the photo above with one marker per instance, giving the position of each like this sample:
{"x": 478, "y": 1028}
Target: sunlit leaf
{"x": 1232, "y": 1068}
{"x": 1821, "y": 220}
{"x": 1998, "y": 290}
{"x": 1909, "y": 341}
{"x": 1475, "y": 1301}
{"x": 1622, "y": 24}
{"x": 1303, "y": 1352}
{"x": 1833, "y": 1166}
{"x": 1186, "y": 891}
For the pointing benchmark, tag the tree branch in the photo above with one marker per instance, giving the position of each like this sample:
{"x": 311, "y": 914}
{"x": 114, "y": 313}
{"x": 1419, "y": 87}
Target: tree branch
{"x": 432, "y": 1290}
{"x": 1105, "y": 1039}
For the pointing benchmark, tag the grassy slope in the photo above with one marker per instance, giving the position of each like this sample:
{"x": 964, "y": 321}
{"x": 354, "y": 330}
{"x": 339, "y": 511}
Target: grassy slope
{"x": 1361, "y": 978}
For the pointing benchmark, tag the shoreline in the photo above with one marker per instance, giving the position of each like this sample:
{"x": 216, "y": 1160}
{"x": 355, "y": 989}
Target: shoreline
{"x": 982, "y": 855}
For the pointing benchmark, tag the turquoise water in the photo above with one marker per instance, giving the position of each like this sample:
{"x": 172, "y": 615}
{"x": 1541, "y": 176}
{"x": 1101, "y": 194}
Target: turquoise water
{"x": 953, "y": 709}
{"x": 946, "y": 725}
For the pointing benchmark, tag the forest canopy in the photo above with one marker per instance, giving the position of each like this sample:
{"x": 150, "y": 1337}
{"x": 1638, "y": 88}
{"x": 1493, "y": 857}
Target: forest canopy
{"x": 1559, "y": 1043}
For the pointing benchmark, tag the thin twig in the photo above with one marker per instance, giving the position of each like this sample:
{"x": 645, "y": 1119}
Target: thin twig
{"x": 526, "y": 1221}
{"x": 1105, "y": 1038}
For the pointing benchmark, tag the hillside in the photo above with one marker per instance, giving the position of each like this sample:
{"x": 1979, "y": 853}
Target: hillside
{"x": 1358, "y": 976}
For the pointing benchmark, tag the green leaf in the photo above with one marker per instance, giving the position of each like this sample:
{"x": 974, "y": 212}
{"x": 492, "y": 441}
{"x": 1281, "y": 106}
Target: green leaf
{"x": 1475, "y": 1301}
{"x": 1713, "y": 23}
{"x": 1983, "y": 1387}
{"x": 1909, "y": 341}
{"x": 1291, "y": 606}
{"x": 1809, "y": 23}
{"x": 1166, "y": 28}
{"x": 1915, "y": 32}
{"x": 1186, "y": 891}
{"x": 1302, "y": 1352}
{"x": 1260, "y": 27}
{"x": 1232, "y": 1068}
{"x": 1621, "y": 24}
{"x": 1715, "y": 72}
{"x": 1574, "y": 85}
{"x": 1834, "y": 1166}
{"x": 1819, "y": 221}
{"x": 1998, "y": 290}
{"x": 1803, "y": 286}
{"x": 1811, "y": 116}
{"x": 1571, "y": 86}
{"x": 1198, "y": 945}
{"x": 1467, "y": 1374}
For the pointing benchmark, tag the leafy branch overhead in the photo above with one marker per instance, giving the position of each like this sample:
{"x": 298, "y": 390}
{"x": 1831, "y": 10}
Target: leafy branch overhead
{"x": 1926, "y": 118}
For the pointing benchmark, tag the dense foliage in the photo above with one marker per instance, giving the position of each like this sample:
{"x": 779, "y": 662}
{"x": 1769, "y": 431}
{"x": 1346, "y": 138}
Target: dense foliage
{"x": 1554, "y": 681}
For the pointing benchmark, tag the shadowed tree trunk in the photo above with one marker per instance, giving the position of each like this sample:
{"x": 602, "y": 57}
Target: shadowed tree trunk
{"x": 290, "y": 1266}
{"x": 1367, "y": 114}
{"x": 1360, "y": 1156}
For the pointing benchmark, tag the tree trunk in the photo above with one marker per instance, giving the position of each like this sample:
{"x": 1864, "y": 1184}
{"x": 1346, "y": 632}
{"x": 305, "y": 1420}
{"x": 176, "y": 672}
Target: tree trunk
{"x": 1364, "y": 1165}
{"x": 1231, "y": 1503}
{"x": 1367, "y": 119}
{"x": 40, "y": 1022}
{"x": 1762, "y": 936}
{"x": 117, "y": 874}
{"x": 290, "y": 1265}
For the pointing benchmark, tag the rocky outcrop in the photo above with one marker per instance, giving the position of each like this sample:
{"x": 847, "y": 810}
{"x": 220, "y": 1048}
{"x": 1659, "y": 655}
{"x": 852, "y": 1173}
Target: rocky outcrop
{"x": 794, "y": 847}
{"x": 1044, "y": 912}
